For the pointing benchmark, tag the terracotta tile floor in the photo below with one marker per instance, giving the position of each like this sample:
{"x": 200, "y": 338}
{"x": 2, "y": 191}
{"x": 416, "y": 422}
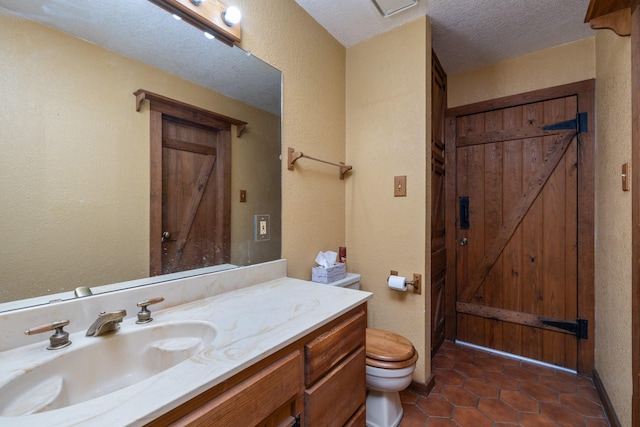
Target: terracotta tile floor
{"x": 477, "y": 389}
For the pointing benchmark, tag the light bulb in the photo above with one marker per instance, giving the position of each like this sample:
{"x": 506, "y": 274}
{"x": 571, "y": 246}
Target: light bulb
{"x": 231, "y": 16}
{"x": 209, "y": 36}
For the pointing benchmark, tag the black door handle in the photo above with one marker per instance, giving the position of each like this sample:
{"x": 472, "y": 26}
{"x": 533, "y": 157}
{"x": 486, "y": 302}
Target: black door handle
{"x": 464, "y": 212}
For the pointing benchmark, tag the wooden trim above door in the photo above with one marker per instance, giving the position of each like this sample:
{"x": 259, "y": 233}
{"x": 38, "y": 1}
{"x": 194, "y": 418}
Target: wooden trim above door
{"x": 188, "y": 112}
{"x": 569, "y": 89}
{"x": 585, "y": 91}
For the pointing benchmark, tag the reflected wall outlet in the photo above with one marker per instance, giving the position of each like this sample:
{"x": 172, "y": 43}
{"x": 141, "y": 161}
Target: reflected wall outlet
{"x": 262, "y": 227}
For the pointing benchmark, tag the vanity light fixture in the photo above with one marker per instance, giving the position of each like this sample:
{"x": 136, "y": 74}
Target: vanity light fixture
{"x": 210, "y": 16}
{"x": 390, "y": 7}
{"x": 231, "y": 16}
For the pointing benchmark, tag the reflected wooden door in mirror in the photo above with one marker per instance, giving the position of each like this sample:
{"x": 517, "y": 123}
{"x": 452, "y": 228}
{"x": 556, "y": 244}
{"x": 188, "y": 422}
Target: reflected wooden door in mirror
{"x": 190, "y": 218}
{"x": 195, "y": 197}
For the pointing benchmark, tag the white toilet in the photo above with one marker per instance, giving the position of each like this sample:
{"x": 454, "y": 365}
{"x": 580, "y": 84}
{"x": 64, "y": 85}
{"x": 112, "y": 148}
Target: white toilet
{"x": 391, "y": 360}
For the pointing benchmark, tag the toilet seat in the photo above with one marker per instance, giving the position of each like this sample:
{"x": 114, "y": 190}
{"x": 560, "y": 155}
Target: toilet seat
{"x": 388, "y": 350}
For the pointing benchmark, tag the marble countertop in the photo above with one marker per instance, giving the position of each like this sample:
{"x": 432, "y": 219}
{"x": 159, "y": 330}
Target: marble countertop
{"x": 251, "y": 323}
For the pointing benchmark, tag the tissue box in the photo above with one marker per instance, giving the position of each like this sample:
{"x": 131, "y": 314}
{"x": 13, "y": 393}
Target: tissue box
{"x": 330, "y": 274}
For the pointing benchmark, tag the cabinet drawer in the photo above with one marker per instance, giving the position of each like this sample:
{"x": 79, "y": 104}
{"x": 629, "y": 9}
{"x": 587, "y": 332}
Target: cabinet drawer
{"x": 337, "y": 396}
{"x": 324, "y": 352}
{"x": 254, "y": 399}
{"x": 359, "y": 419}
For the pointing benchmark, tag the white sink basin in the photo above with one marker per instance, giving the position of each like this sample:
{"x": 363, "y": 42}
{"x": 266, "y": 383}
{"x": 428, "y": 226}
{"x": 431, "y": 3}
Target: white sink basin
{"x": 96, "y": 366}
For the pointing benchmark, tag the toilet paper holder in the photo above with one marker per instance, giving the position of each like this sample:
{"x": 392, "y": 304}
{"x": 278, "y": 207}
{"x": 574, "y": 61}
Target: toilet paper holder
{"x": 416, "y": 283}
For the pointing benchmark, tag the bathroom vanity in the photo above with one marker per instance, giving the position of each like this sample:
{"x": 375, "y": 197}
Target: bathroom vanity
{"x": 247, "y": 346}
{"x": 319, "y": 379}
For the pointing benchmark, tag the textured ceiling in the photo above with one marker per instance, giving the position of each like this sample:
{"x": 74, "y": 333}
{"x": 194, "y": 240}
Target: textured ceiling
{"x": 466, "y": 33}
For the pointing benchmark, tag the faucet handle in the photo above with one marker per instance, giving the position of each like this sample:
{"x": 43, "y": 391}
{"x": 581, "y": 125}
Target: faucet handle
{"x": 59, "y": 339}
{"x": 144, "y": 315}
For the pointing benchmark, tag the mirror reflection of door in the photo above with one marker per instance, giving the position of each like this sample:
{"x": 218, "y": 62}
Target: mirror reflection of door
{"x": 190, "y": 222}
{"x": 193, "y": 235}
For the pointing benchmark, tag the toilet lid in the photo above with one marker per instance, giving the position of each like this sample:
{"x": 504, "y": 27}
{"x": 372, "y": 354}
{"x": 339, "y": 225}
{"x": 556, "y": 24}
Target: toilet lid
{"x": 388, "y": 347}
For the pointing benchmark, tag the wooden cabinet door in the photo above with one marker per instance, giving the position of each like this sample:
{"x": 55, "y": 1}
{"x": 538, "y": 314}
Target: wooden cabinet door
{"x": 333, "y": 400}
{"x": 190, "y": 187}
{"x": 193, "y": 194}
{"x": 438, "y": 247}
{"x": 267, "y": 398}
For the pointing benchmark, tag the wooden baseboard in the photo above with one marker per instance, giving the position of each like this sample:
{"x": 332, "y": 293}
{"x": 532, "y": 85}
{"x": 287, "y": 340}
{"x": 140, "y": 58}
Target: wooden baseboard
{"x": 609, "y": 411}
{"x": 423, "y": 389}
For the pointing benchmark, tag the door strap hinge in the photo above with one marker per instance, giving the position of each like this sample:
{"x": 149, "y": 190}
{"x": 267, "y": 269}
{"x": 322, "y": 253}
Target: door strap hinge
{"x": 580, "y": 124}
{"x": 579, "y": 328}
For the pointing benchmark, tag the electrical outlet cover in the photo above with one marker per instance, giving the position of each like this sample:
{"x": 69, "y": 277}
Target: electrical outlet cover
{"x": 261, "y": 227}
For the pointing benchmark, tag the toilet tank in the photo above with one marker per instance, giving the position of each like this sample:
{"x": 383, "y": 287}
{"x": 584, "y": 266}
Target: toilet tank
{"x": 352, "y": 281}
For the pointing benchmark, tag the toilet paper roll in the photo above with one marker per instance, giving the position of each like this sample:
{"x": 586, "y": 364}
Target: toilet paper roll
{"x": 397, "y": 283}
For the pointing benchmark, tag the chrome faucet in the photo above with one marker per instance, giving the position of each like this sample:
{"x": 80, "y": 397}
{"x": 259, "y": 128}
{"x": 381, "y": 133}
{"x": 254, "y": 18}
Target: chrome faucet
{"x": 82, "y": 291}
{"x": 106, "y": 322}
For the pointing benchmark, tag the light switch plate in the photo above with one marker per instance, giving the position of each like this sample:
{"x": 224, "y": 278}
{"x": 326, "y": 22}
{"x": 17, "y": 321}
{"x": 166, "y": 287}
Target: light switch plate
{"x": 400, "y": 186}
{"x": 262, "y": 227}
{"x": 243, "y": 196}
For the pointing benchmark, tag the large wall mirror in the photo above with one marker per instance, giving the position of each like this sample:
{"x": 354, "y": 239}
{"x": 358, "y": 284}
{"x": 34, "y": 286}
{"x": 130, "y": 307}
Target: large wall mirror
{"x": 75, "y": 163}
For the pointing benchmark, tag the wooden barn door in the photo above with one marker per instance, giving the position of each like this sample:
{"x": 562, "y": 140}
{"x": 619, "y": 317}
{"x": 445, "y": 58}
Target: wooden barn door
{"x": 190, "y": 185}
{"x": 518, "y": 204}
{"x": 193, "y": 194}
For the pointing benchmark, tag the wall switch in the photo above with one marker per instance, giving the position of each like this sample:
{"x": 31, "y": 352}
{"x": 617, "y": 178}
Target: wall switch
{"x": 400, "y": 186}
{"x": 262, "y": 227}
{"x": 243, "y": 196}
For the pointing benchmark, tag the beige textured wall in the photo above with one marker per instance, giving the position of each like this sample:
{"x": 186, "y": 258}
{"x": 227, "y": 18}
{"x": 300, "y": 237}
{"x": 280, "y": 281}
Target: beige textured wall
{"x": 388, "y": 119}
{"x": 75, "y": 163}
{"x": 313, "y": 67}
{"x": 254, "y": 168}
{"x": 613, "y": 221}
{"x": 559, "y": 65}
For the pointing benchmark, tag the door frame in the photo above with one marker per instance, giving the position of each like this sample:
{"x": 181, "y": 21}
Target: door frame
{"x": 635, "y": 210}
{"x": 585, "y": 91}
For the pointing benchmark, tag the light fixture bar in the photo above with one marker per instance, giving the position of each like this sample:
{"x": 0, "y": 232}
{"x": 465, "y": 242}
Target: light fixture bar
{"x": 206, "y": 16}
{"x": 390, "y": 7}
